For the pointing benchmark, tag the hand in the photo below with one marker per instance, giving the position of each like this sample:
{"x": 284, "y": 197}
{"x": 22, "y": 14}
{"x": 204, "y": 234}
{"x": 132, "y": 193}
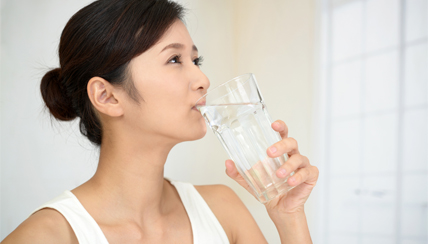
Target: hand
{"x": 304, "y": 178}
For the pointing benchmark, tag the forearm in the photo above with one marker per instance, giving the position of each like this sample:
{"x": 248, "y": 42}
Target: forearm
{"x": 292, "y": 228}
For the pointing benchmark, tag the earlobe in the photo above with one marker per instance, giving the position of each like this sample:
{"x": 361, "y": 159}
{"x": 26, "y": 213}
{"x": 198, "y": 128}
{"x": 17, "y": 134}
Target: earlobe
{"x": 103, "y": 97}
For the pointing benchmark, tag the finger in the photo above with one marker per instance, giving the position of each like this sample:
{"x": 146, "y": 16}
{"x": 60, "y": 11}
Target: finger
{"x": 233, "y": 173}
{"x": 287, "y": 145}
{"x": 231, "y": 170}
{"x": 308, "y": 175}
{"x": 295, "y": 162}
{"x": 280, "y": 127}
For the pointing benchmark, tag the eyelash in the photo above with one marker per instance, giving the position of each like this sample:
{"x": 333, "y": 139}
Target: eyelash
{"x": 198, "y": 61}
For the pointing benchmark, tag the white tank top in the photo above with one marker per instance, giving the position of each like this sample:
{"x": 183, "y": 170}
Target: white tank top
{"x": 205, "y": 226}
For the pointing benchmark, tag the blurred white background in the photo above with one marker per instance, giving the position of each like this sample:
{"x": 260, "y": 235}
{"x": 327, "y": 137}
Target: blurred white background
{"x": 349, "y": 77}
{"x": 374, "y": 142}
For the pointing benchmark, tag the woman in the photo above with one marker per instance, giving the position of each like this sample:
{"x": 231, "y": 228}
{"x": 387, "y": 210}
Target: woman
{"x": 130, "y": 71}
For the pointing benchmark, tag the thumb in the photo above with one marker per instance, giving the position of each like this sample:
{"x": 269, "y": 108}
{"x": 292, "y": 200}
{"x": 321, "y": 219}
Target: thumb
{"x": 233, "y": 173}
{"x": 231, "y": 170}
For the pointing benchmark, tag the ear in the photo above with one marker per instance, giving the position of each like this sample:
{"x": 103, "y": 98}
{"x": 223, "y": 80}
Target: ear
{"x": 103, "y": 96}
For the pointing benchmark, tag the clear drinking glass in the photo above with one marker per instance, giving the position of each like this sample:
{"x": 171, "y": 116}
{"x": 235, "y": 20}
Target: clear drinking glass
{"x": 236, "y": 112}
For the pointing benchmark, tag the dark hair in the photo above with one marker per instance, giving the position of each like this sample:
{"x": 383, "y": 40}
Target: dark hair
{"x": 100, "y": 40}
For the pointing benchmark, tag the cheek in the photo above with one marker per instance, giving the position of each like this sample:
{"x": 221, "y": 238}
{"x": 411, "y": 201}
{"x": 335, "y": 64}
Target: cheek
{"x": 184, "y": 122}
{"x": 168, "y": 111}
{"x": 168, "y": 114}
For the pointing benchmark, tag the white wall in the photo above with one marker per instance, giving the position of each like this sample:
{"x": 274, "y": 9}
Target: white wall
{"x": 374, "y": 110}
{"x": 40, "y": 159}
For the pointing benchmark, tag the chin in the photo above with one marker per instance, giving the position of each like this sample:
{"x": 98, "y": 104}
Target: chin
{"x": 199, "y": 132}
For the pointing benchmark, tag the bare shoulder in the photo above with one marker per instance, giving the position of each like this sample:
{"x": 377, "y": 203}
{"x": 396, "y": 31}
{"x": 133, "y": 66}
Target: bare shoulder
{"x": 44, "y": 226}
{"x": 218, "y": 194}
{"x": 232, "y": 214}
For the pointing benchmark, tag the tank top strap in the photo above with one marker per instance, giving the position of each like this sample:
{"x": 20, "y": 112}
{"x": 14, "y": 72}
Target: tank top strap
{"x": 84, "y": 226}
{"x": 205, "y": 226}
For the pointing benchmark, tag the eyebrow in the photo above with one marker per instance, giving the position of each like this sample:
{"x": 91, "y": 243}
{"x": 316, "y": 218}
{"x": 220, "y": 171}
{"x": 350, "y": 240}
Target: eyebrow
{"x": 178, "y": 46}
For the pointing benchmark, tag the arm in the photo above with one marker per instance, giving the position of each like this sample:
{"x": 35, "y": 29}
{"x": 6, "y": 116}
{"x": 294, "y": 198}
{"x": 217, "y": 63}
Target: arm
{"x": 234, "y": 217}
{"x": 292, "y": 228}
{"x": 45, "y": 226}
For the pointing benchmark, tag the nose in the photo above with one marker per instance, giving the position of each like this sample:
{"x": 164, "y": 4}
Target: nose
{"x": 199, "y": 81}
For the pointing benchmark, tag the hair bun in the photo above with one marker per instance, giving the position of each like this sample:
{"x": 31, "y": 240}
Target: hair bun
{"x": 55, "y": 98}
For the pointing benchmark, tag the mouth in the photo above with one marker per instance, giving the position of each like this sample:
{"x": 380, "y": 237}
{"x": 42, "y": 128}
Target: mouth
{"x": 201, "y": 103}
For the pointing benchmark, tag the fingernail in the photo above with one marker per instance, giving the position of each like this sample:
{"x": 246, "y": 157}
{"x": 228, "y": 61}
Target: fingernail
{"x": 277, "y": 124}
{"x": 273, "y": 149}
{"x": 282, "y": 172}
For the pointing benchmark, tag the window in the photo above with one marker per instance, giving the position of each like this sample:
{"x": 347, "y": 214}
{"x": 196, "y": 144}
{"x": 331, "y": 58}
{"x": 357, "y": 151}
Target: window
{"x": 374, "y": 110}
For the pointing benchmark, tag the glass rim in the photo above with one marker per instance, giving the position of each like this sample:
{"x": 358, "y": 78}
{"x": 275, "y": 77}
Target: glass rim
{"x": 223, "y": 84}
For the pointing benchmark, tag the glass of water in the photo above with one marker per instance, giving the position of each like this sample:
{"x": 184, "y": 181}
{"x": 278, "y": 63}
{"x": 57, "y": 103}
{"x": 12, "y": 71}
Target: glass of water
{"x": 237, "y": 114}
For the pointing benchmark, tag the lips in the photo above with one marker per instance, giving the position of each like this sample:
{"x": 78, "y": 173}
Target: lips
{"x": 200, "y": 103}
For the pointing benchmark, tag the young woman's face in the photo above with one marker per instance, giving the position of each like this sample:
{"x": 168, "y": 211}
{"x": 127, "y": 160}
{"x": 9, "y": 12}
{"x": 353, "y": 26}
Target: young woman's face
{"x": 169, "y": 81}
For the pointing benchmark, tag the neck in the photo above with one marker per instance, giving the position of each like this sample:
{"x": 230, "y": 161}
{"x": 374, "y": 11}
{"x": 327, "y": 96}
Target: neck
{"x": 130, "y": 178}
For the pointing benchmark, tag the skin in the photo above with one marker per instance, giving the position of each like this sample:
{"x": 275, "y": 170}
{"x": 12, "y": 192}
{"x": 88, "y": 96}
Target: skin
{"x": 128, "y": 195}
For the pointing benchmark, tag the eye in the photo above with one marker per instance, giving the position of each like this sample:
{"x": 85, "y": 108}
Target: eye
{"x": 198, "y": 61}
{"x": 175, "y": 59}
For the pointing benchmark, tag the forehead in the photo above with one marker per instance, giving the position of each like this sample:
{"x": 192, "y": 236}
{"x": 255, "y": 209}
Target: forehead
{"x": 176, "y": 33}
